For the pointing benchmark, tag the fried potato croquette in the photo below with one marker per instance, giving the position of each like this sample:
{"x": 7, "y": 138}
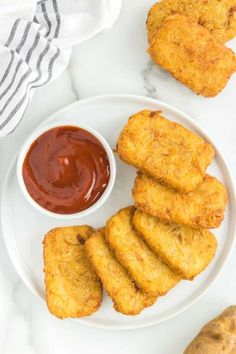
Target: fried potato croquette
{"x": 151, "y": 274}
{"x": 127, "y": 298}
{"x": 202, "y": 208}
{"x": 165, "y": 150}
{"x": 72, "y": 287}
{"x": 185, "y": 250}
{"x": 192, "y": 55}
{"x": 219, "y": 17}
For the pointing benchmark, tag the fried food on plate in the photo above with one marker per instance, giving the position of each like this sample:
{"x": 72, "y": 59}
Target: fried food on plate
{"x": 151, "y": 274}
{"x": 72, "y": 287}
{"x": 165, "y": 150}
{"x": 192, "y": 55}
{"x": 185, "y": 250}
{"x": 219, "y": 17}
{"x": 127, "y": 298}
{"x": 202, "y": 208}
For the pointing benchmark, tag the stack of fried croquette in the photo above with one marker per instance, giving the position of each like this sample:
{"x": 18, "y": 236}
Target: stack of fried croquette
{"x": 186, "y": 38}
{"x": 144, "y": 250}
{"x": 172, "y": 183}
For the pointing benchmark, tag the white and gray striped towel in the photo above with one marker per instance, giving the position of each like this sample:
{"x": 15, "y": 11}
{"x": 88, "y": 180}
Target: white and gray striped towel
{"x": 36, "y": 38}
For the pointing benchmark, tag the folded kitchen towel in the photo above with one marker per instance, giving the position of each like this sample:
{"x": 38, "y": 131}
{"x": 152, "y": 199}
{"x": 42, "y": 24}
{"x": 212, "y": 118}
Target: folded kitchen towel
{"x": 36, "y": 38}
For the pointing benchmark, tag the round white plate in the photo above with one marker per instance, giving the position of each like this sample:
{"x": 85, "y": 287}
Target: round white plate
{"x": 24, "y": 227}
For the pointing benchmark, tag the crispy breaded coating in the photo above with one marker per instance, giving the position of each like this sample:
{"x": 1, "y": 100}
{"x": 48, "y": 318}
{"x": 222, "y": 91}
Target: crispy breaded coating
{"x": 192, "y": 55}
{"x": 127, "y": 298}
{"x": 202, "y": 208}
{"x": 151, "y": 274}
{"x": 72, "y": 287}
{"x": 165, "y": 150}
{"x": 219, "y": 17}
{"x": 185, "y": 250}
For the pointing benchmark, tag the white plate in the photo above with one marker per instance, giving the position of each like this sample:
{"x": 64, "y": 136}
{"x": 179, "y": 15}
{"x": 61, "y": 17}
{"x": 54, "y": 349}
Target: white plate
{"x": 24, "y": 228}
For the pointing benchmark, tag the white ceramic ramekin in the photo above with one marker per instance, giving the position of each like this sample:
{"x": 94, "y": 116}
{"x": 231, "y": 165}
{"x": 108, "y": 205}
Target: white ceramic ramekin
{"x": 23, "y": 152}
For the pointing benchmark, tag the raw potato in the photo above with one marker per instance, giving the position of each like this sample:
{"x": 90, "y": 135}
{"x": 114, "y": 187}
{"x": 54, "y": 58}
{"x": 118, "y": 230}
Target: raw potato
{"x": 165, "y": 150}
{"x": 192, "y": 55}
{"x": 72, "y": 287}
{"x": 217, "y": 336}
{"x": 219, "y": 17}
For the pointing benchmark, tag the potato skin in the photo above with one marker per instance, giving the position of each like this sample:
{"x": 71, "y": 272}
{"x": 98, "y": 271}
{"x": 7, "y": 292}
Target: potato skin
{"x": 72, "y": 287}
{"x": 219, "y": 17}
{"x": 216, "y": 337}
{"x": 192, "y": 55}
{"x": 164, "y": 150}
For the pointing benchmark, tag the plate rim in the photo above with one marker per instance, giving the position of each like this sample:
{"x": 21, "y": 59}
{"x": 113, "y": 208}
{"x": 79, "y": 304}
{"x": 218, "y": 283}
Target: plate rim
{"x": 19, "y": 267}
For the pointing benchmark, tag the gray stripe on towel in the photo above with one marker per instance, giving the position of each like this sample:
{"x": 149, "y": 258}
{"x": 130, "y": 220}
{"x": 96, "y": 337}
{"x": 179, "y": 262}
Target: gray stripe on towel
{"x": 20, "y": 103}
{"x": 40, "y": 59}
{"x": 12, "y": 34}
{"x": 45, "y": 14}
{"x": 58, "y": 18}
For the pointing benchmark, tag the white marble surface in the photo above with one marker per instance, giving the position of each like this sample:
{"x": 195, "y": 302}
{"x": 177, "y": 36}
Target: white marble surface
{"x": 114, "y": 62}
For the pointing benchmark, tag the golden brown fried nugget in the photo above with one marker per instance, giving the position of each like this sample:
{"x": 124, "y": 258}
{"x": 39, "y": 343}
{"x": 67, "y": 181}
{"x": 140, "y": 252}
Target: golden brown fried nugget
{"x": 127, "y": 298}
{"x": 72, "y": 287}
{"x": 165, "y": 150}
{"x": 185, "y": 250}
{"x": 151, "y": 274}
{"x": 202, "y": 208}
{"x": 192, "y": 55}
{"x": 219, "y": 17}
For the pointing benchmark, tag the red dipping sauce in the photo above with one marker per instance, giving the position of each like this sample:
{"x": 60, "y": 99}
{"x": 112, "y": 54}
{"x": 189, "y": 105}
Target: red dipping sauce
{"x": 66, "y": 170}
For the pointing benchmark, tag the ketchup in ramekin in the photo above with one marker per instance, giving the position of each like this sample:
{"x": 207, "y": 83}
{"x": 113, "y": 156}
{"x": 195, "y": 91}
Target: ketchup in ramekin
{"x": 66, "y": 170}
